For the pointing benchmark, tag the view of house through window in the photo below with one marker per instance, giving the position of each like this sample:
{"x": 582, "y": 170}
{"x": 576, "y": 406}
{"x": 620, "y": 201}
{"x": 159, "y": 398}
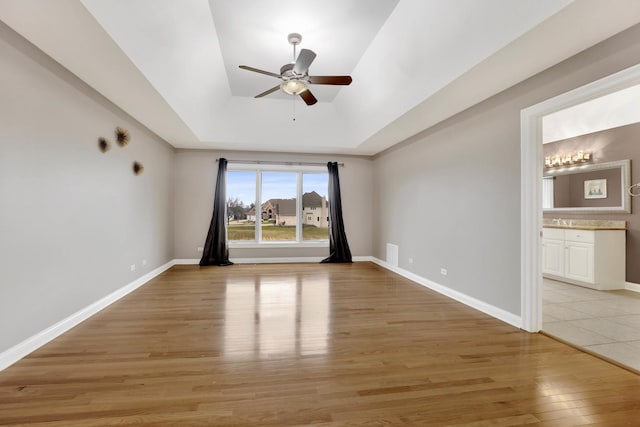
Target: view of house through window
{"x": 315, "y": 212}
{"x": 279, "y": 191}
{"x": 262, "y": 206}
{"x": 241, "y": 197}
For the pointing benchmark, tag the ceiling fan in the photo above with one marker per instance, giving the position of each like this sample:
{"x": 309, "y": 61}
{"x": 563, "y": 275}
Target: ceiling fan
{"x": 295, "y": 75}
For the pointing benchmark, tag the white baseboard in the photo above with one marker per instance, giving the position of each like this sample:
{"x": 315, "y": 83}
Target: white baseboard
{"x": 632, "y": 287}
{"x": 20, "y": 350}
{"x": 472, "y": 302}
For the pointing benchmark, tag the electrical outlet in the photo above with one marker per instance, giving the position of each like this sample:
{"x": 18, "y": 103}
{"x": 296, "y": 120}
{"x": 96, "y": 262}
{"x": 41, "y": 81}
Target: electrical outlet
{"x": 133, "y": 267}
{"x": 410, "y": 260}
{"x": 443, "y": 271}
{"x": 200, "y": 249}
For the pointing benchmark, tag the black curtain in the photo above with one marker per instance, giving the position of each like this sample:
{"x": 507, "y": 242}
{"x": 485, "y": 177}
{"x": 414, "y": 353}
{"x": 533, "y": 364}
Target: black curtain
{"x": 338, "y": 246}
{"x": 216, "y": 251}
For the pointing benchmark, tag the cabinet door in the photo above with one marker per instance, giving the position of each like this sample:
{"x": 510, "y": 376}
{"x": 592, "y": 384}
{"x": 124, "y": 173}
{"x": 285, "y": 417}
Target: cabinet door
{"x": 553, "y": 257}
{"x": 578, "y": 263}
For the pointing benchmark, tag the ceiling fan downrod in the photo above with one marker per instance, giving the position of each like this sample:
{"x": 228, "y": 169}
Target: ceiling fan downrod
{"x": 294, "y": 39}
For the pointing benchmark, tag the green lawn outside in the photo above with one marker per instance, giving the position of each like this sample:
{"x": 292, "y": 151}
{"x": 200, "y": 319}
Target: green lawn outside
{"x": 274, "y": 233}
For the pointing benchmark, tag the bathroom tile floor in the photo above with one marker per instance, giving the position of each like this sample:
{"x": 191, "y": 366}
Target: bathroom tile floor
{"x": 603, "y": 322}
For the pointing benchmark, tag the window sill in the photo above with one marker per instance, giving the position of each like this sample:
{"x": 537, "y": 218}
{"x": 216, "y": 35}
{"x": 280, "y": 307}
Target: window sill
{"x": 273, "y": 245}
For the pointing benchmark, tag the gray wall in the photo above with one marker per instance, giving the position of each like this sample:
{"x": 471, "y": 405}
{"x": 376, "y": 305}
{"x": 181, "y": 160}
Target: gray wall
{"x": 72, "y": 220}
{"x": 450, "y": 196}
{"x": 607, "y": 146}
{"x": 195, "y": 183}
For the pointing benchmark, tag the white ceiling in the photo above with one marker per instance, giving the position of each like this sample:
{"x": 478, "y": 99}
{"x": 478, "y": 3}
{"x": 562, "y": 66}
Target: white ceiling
{"x": 173, "y": 64}
{"x": 606, "y": 112}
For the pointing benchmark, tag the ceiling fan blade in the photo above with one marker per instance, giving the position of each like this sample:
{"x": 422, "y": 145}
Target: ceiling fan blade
{"x": 267, "y": 92}
{"x": 256, "y": 70}
{"x": 305, "y": 58}
{"x": 308, "y": 97}
{"x": 330, "y": 80}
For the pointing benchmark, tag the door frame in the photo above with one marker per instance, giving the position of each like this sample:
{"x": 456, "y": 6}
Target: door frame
{"x": 531, "y": 161}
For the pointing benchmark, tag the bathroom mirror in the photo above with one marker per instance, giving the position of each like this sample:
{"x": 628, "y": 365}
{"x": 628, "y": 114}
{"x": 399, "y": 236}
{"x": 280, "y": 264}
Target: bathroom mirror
{"x": 592, "y": 188}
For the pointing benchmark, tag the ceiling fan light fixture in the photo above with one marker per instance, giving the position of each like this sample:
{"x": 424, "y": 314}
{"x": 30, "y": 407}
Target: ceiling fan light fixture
{"x": 294, "y": 86}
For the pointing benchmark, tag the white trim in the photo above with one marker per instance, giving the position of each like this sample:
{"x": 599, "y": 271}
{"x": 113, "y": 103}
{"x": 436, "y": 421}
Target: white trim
{"x": 531, "y": 224}
{"x": 252, "y": 244}
{"x": 294, "y": 167}
{"x": 291, "y": 260}
{"x": 186, "y": 261}
{"x": 465, "y": 299}
{"x": 531, "y": 183}
{"x": 280, "y": 260}
{"x": 276, "y": 260}
{"x": 625, "y": 181}
{"x": 632, "y": 287}
{"x": 20, "y": 350}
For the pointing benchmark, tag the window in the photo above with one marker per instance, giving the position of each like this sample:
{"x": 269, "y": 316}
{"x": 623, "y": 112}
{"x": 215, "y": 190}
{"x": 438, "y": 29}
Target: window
{"x": 277, "y": 205}
{"x": 241, "y": 211}
{"x": 279, "y": 191}
{"x": 315, "y": 187}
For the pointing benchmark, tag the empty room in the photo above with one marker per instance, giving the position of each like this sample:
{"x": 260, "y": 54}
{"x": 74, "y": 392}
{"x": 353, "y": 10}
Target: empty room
{"x": 323, "y": 213}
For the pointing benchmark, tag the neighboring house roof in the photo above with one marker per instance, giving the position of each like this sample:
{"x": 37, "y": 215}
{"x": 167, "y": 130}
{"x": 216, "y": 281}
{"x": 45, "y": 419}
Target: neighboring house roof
{"x": 311, "y": 200}
{"x": 287, "y": 207}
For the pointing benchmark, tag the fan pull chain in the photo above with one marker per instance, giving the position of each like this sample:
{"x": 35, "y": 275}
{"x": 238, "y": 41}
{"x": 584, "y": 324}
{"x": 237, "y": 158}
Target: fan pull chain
{"x": 293, "y": 98}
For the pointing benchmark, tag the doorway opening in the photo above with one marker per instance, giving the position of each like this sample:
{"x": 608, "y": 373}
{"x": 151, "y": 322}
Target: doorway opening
{"x": 531, "y": 184}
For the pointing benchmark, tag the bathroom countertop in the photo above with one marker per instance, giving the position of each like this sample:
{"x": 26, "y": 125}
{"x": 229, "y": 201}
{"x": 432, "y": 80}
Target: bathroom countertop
{"x": 584, "y": 224}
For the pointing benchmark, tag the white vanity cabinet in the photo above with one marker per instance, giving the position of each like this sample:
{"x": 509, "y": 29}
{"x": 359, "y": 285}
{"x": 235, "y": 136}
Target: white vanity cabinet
{"x": 591, "y": 258}
{"x": 553, "y": 252}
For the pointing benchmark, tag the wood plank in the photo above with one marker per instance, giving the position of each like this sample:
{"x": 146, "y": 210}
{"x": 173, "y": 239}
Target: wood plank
{"x": 307, "y": 344}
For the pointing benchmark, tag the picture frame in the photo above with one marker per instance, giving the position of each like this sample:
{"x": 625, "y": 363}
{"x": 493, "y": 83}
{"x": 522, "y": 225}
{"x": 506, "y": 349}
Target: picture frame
{"x": 595, "y": 189}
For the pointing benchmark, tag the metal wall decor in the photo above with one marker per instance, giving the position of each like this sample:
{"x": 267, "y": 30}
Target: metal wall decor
{"x": 138, "y": 168}
{"x": 103, "y": 145}
{"x": 122, "y": 136}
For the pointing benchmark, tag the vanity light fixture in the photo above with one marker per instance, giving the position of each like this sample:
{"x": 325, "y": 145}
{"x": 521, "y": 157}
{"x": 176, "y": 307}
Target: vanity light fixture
{"x": 567, "y": 159}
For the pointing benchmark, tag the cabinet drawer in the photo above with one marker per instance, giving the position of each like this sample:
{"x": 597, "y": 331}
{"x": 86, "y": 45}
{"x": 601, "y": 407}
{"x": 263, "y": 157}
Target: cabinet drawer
{"x": 553, "y": 233}
{"x": 586, "y": 236}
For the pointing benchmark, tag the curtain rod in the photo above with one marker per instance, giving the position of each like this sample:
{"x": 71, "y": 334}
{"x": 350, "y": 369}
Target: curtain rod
{"x": 269, "y": 162}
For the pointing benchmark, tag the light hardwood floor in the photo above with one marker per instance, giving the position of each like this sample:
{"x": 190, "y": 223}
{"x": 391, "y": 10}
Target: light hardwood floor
{"x": 307, "y": 344}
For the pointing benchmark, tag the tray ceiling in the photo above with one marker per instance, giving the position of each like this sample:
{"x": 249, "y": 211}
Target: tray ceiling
{"x": 173, "y": 65}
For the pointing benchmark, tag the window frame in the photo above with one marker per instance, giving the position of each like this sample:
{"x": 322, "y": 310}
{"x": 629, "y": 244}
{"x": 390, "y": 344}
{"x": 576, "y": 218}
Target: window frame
{"x": 300, "y": 170}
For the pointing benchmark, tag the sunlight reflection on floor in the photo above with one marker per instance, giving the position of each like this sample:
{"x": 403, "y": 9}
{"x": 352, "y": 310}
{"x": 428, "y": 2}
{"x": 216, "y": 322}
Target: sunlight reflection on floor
{"x": 276, "y": 315}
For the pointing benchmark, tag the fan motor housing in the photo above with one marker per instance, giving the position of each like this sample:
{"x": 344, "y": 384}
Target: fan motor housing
{"x": 287, "y": 73}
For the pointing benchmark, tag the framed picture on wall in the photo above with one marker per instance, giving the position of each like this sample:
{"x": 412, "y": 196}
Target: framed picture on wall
{"x": 595, "y": 189}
